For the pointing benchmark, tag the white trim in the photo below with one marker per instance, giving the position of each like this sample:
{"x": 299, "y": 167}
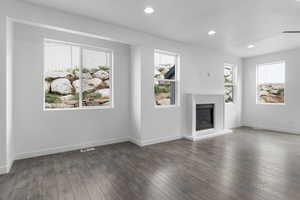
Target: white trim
{"x": 3, "y": 170}
{"x": 160, "y": 140}
{"x": 143, "y": 143}
{"x": 272, "y": 63}
{"x": 80, "y": 77}
{"x": 136, "y": 141}
{"x": 88, "y": 47}
{"x": 176, "y": 80}
{"x": 276, "y": 129}
{"x": 166, "y": 52}
{"x": 9, "y": 166}
{"x": 284, "y": 83}
{"x": 80, "y": 45}
{"x": 206, "y": 136}
{"x": 271, "y": 104}
{"x": 59, "y": 28}
{"x": 112, "y": 79}
{"x": 207, "y": 131}
{"x": 234, "y": 83}
{"x": 6, "y": 168}
{"x": 81, "y": 108}
{"x": 165, "y": 106}
{"x": 167, "y": 80}
{"x": 219, "y": 113}
{"x": 61, "y": 149}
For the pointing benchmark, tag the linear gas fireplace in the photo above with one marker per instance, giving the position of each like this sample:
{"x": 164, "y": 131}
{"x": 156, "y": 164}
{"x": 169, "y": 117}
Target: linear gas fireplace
{"x": 204, "y": 116}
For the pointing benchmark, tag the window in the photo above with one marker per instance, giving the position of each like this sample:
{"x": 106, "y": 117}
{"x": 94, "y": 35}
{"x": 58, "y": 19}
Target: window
{"x": 76, "y": 76}
{"x": 271, "y": 83}
{"x": 229, "y": 83}
{"x": 165, "y": 78}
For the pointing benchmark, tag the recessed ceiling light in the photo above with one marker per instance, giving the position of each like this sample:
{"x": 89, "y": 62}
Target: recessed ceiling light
{"x": 212, "y": 32}
{"x": 149, "y": 10}
{"x": 250, "y": 46}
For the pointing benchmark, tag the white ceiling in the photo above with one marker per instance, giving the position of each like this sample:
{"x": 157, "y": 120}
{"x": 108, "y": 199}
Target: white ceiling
{"x": 237, "y": 22}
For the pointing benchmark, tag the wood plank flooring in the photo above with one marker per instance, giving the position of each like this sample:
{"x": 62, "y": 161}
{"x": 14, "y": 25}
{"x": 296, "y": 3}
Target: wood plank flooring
{"x": 245, "y": 165}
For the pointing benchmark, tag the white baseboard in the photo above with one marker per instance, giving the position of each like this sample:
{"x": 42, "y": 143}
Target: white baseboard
{"x": 43, "y": 152}
{"x": 276, "y": 129}
{"x": 281, "y": 130}
{"x": 233, "y": 124}
{"x": 9, "y": 165}
{"x": 6, "y": 169}
{"x": 160, "y": 140}
{"x": 202, "y": 137}
{"x": 142, "y": 143}
{"x": 135, "y": 141}
{"x": 3, "y": 170}
{"x": 61, "y": 149}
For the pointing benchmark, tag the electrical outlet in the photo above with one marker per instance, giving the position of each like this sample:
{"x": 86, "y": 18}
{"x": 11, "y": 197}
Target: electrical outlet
{"x": 87, "y": 149}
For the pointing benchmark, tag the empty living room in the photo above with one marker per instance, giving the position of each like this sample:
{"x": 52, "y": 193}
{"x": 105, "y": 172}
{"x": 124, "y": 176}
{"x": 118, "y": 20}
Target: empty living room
{"x": 149, "y": 100}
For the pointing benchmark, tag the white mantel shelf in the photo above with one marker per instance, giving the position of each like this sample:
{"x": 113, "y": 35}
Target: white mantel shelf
{"x": 219, "y": 109}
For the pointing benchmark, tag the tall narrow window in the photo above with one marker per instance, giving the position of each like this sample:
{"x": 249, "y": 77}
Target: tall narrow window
{"x": 271, "y": 83}
{"x": 229, "y": 83}
{"x": 76, "y": 76}
{"x": 165, "y": 78}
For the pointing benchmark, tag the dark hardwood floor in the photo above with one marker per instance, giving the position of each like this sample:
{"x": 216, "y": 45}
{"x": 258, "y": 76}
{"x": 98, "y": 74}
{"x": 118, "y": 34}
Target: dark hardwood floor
{"x": 247, "y": 164}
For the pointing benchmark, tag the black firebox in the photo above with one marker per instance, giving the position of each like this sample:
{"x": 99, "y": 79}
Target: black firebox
{"x": 204, "y": 116}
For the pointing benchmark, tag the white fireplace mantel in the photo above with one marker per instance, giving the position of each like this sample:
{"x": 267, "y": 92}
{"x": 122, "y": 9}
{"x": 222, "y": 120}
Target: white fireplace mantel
{"x": 219, "y": 109}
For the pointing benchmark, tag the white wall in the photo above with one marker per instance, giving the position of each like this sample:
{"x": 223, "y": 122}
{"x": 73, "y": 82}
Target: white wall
{"x": 135, "y": 94}
{"x": 154, "y": 125}
{"x": 274, "y": 117}
{"x": 233, "y": 111}
{"x": 162, "y": 124}
{"x": 9, "y": 96}
{"x": 3, "y": 133}
{"x": 36, "y": 130}
{"x": 158, "y": 124}
{"x": 203, "y": 73}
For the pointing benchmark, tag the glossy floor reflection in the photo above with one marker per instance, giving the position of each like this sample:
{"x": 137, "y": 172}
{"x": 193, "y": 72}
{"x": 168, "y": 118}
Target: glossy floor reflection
{"x": 248, "y": 164}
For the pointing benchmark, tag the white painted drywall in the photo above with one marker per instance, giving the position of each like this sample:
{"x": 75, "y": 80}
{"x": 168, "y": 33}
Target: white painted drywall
{"x": 135, "y": 94}
{"x": 3, "y": 53}
{"x": 36, "y": 130}
{"x": 155, "y": 124}
{"x": 149, "y": 123}
{"x": 9, "y": 96}
{"x": 273, "y": 117}
{"x": 233, "y": 111}
{"x": 201, "y": 71}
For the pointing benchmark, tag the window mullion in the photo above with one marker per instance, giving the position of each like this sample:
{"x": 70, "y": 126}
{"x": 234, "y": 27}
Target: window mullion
{"x": 171, "y": 87}
{"x": 169, "y": 80}
{"x": 80, "y": 78}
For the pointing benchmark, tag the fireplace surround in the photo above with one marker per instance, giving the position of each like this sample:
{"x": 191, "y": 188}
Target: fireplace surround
{"x": 205, "y": 116}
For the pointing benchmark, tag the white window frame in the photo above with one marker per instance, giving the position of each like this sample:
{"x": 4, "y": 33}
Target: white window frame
{"x": 111, "y": 77}
{"x": 234, "y": 82}
{"x": 176, "y": 80}
{"x": 256, "y": 84}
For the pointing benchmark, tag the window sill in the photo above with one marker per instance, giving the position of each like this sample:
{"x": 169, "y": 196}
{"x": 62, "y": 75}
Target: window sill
{"x": 82, "y": 108}
{"x": 166, "y": 106}
{"x": 272, "y": 104}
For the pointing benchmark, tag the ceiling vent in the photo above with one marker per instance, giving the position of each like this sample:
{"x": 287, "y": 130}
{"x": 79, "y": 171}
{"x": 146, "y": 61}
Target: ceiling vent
{"x": 291, "y": 32}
